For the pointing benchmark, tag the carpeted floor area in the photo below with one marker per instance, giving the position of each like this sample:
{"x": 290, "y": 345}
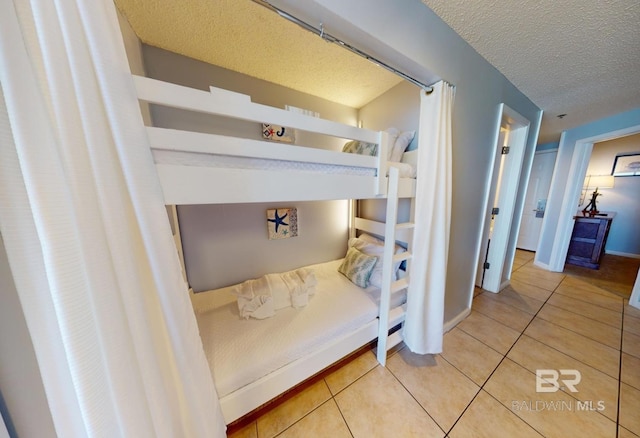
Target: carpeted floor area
{"x": 616, "y": 274}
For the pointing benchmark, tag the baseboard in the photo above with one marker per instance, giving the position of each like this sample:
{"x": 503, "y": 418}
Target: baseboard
{"x": 623, "y": 254}
{"x": 544, "y": 266}
{"x": 457, "y": 319}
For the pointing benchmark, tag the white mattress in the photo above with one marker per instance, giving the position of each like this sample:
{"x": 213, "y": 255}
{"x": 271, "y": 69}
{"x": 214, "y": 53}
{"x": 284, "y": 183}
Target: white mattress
{"x": 241, "y": 351}
{"x": 226, "y": 161}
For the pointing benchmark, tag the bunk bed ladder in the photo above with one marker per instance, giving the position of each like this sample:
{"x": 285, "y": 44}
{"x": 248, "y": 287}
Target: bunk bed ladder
{"x": 390, "y": 318}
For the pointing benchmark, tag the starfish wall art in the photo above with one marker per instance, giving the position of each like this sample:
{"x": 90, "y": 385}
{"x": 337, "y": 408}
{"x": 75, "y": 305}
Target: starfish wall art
{"x": 282, "y": 223}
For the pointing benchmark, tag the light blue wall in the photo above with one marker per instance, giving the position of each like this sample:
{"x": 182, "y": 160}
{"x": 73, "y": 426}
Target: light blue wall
{"x": 623, "y": 198}
{"x": 551, "y": 239}
{"x": 412, "y": 37}
{"x": 547, "y": 146}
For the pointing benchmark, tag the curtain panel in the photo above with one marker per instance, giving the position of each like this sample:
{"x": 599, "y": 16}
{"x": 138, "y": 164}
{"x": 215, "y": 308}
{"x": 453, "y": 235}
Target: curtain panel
{"x": 424, "y": 323}
{"x": 87, "y": 235}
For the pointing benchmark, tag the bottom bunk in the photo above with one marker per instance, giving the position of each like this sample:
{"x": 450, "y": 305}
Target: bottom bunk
{"x": 254, "y": 360}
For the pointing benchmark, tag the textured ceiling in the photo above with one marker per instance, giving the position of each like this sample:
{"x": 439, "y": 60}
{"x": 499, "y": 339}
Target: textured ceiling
{"x": 243, "y": 36}
{"x": 576, "y": 57}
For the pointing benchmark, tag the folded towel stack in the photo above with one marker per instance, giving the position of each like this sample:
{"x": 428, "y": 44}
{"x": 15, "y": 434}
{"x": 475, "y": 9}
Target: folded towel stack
{"x": 262, "y": 297}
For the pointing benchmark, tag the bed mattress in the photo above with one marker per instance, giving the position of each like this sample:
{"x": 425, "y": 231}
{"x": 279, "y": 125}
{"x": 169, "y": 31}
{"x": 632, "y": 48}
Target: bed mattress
{"x": 229, "y": 162}
{"x": 241, "y": 351}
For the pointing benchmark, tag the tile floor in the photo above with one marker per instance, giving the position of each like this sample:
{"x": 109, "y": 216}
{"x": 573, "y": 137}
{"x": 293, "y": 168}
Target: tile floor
{"x": 484, "y": 382}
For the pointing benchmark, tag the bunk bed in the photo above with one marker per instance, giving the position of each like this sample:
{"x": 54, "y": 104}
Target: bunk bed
{"x": 294, "y": 344}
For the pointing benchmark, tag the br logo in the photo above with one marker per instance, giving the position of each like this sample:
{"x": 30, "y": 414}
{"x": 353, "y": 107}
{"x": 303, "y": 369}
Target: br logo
{"x": 549, "y": 380}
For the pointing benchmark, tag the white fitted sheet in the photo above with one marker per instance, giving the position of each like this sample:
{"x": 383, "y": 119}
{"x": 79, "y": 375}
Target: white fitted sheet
{"x": 241, "y": 351}
{"x": 229, "y": 162}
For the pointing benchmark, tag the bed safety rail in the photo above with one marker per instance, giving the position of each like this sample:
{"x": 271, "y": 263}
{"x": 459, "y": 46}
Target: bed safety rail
{"x": 226, "y": 103}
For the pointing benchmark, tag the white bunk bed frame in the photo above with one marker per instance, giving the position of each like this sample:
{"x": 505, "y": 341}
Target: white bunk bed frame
{"x": 188, "y": 183}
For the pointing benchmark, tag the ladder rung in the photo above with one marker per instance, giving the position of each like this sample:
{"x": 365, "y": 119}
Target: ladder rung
{"x": 396, "y": 316}
{"x": 405, "y": 225}
{"x": 394, "y": 339}
{"x": 406, "y": 255}
{"x": 399, "y": 285}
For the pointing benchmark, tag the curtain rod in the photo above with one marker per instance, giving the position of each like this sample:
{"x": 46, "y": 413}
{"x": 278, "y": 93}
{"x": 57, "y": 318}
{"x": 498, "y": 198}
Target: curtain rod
{"x": 329, "y": 38}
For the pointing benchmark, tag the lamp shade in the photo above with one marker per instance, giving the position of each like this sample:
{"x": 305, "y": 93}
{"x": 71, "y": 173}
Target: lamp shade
{"x": 599, "y": 181}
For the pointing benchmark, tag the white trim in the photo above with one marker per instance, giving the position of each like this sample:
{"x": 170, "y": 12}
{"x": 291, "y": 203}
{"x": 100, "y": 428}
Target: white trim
{"x": 541, "y": 265}
{"x": 634, "y": 299}
{"x": 254, "y": 395}
{"x": 623, "y": 254}
{"x": 484, "y": 233}
{"x": 507, "y": 194}
{"x": 457, "y": 319}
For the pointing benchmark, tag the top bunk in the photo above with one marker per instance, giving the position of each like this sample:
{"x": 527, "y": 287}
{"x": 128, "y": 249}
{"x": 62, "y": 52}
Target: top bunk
{"x": 207, "y": 168}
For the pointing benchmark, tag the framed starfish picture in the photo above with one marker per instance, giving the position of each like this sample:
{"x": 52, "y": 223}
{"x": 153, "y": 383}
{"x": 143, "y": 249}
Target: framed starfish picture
{"x": 282, "y": 223}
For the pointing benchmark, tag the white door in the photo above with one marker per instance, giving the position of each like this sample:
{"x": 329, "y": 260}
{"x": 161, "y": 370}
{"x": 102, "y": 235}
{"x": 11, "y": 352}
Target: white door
{"x": 536, "y": 199}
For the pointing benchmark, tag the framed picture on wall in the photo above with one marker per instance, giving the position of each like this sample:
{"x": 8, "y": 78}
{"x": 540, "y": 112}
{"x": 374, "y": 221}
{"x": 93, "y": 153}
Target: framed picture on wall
{"x": 626, "y": 165}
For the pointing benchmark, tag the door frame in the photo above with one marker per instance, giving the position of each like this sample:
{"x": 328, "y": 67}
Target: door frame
{"x": 502, "y": 248}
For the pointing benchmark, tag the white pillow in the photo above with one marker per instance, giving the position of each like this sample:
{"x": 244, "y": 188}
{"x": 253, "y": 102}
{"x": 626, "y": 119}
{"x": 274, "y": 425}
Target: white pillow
{"x": 375, "y": 247}
{"x": 393, "y": 136}
{"x": 398, "y": 248}
{"x": 401, "y": 144}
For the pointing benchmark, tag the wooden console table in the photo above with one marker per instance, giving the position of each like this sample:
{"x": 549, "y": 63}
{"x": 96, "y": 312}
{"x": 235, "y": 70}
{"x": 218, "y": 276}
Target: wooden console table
{"x": 589, "y": 238}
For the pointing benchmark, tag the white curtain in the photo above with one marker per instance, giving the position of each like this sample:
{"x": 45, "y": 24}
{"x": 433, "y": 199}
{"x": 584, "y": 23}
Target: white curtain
{"x": 423, "y": 328}
{"x": 87, "y": 235}
{"x": 4, "y": 433}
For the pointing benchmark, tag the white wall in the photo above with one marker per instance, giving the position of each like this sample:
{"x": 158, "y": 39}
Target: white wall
{"x": 397, "y": 108}
{"x": 226, "y": 244}
{"x": 624, "y": 198}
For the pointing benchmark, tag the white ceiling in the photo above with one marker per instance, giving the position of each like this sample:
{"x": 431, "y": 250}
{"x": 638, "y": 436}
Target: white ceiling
{"x": 576, "y": 57}
{"x": 246, "y": 37}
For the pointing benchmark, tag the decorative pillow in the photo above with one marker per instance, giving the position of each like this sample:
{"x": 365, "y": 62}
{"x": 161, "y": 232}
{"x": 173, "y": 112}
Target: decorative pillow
{"x": 360, "y": 148}
{"x": 357, "y": 267}
{"x": 371, "y": 245}
{"x": 401, "y": 144}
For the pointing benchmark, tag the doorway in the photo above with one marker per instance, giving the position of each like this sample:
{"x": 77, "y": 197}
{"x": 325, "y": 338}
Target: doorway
{"x": 498, "y": 243}
{"x": 559, "y": 229}
{"x": 535, "y": 200}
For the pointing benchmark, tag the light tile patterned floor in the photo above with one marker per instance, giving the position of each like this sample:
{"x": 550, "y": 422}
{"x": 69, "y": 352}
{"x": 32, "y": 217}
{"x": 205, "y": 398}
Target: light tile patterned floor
{"x": 484, "y": 382}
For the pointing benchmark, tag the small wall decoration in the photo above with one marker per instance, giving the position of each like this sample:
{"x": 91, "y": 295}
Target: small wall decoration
{"x": 278, "y": 133}
{"x": 626, "y": 165}
{"x": 282, "y": 223}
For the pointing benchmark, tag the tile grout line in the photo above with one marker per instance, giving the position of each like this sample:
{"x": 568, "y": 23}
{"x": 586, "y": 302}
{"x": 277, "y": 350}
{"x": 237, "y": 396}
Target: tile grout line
{"x": 498, "y": 366}
{"x": 620, "y": 372}
{"x": 414, "y": 398}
